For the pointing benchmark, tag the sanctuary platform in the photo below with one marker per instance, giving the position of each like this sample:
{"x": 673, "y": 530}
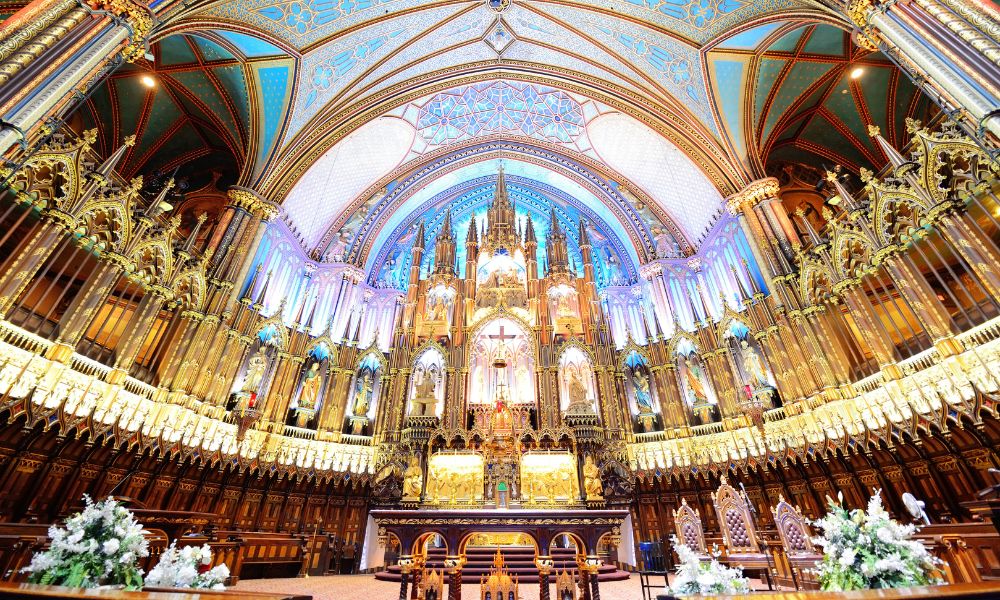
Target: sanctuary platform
{"x": 537, "y": 531}
{"x": 413, "y": 528}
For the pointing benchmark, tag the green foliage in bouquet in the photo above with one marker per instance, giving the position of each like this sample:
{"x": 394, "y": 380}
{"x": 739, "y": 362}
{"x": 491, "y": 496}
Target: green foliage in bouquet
{"x": 99, "y": 546}
{"x": 865, "y": 550}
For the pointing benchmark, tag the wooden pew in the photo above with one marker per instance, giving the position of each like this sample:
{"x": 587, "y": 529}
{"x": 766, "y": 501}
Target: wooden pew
{"x": 972, "y": 550}
{"x": 266, "y": 554}
{"x": 31, "y": 591}
{"x": 18, "y": 543}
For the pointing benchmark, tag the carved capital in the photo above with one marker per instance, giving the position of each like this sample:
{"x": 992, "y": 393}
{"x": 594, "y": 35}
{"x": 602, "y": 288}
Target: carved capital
{"x": 249, "y": 201}
{"x": 753, "y": 194}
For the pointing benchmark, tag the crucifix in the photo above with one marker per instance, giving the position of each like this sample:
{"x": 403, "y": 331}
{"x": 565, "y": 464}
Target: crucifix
{"x": 501, "y": 358}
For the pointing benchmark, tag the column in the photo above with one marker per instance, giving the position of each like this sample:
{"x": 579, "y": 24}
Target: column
{"x": 145, "y": 315}
{"x": 742, "y": 204}
{"x": 405, "y": 566}
{"x": 950, "y": 64}
{"x": 51, "y": 36}
{"x": 665, "y": 378}
{"x": 74, "y": 322}
{"x": 921, "y": 298}
{"x": 978, "y": 251}
{"x": 881, "y": 347}
{"x": 27, "y": 262}
{"x": 419, "y": 561}
{"x": 453, "y": 564}
{"x": 544, "y": 564}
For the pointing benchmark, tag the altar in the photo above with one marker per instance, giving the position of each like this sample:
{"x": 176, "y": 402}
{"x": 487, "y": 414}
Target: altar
{"x": 533, "y": 478}
{"x": 459, "y": 529}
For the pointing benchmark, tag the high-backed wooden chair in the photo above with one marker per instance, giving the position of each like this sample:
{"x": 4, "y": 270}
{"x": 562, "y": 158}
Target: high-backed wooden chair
{"x": 739, "y": 532}
{"x": 687, "y": 522}
{"x": 796, "y": 539}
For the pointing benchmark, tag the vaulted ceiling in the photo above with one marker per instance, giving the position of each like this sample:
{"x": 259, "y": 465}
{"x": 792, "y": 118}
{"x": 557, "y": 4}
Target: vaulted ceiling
{"x": 361, "y": 117}
{"x": 808, "y": 95}
{"x": 217, "y": 102}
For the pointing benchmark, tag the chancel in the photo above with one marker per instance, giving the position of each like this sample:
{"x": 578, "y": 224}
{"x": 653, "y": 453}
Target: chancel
{"x": 379, "y": 298}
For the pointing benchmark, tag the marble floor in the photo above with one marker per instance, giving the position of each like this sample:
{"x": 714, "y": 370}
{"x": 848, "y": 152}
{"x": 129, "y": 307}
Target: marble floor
{"x": 365, "y": 587}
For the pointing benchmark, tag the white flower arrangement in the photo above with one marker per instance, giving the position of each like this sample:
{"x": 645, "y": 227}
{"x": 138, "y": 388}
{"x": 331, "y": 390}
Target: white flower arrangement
{"x": 696, "y": 576}
{"x": 868, "y": 550}
{"x": 99, "y": 546}
{"x": 187, "y": 567}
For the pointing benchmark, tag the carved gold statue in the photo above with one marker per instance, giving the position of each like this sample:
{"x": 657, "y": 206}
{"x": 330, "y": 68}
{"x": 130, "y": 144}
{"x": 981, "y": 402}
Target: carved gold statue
{"x": 362, "y": 399}
{"x": 413, "y": 480}
{"x": 310, "y": 388}
{"x": 424, "y": 398}
{"x": 592, "y": 479}
{"x": 255, "y": 373}
{"x": 754, "y": 367}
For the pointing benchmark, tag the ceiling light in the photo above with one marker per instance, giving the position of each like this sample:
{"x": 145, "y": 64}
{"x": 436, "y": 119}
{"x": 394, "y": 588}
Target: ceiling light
{"x": 857, "y": 72}
{"x": 148, "y": 81}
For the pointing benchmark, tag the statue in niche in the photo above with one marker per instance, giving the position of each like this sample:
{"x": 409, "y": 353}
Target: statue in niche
{"x": 413, "y": 479}
{"x": 579, "y": 401}
{"x": 695, "y": 383}
{"x": 592, "y": 479}
{"x": 439, "y": 310}
{"x": 666, "y": 245}
{"x": 754, "y": 367}
{"x": 339, "y": 246}
{"x": 310, "y": 388}
{"x": 255, "y": 373}
{"x": 425, "y": 395}
{"x": 642, "y": 395}
{"x": 564, "y": 307}
{"x": 362, "y": 399}
{"x": 614, "y": 268}
{"x": 577, "y": 391}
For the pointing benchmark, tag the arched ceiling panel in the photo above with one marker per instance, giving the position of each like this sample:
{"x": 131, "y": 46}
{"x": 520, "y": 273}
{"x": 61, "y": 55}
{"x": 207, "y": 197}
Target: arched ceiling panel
{"x": 659, "y": 168}
{"x": 204, "y": 105}
{"x": 307, "y": 22}
{"x": 329, "y": 69}
{"x": 642, "y": 160}
{"x": 346, "y": 170}
{"x": 806, "y": 106}
{"x": 465, "y": 28}
{"x": 674, "y": 65}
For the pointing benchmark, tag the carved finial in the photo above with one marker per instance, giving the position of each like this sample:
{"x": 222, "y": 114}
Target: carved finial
{"x": 827, "y": 213}
{"x": 874, "y": 130}
{"x": 129, "y": 141}
{"x": 913, "y": 125}
{"x": 866, "y": 175}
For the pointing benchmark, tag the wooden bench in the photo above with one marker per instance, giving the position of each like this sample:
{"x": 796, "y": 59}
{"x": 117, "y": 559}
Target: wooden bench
{"x": 18, "y": 543}
{"x": 266, "y": 554}
{"x": 30, "y": 590}
{"x": 972, "y": 550}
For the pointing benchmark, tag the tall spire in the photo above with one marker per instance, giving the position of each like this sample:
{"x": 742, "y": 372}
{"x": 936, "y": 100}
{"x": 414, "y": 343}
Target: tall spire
{"x": 584, "y": 236}
{"x": 444, "y": 248}
{"x": 473, "y": 235}
{"x": 529, "y": 231}
{"x": 501, "y": 219}
{"x": 419, "y": 242}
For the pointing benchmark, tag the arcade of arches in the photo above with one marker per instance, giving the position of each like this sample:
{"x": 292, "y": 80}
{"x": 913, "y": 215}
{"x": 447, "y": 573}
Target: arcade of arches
{"x": 293, "y": 268}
